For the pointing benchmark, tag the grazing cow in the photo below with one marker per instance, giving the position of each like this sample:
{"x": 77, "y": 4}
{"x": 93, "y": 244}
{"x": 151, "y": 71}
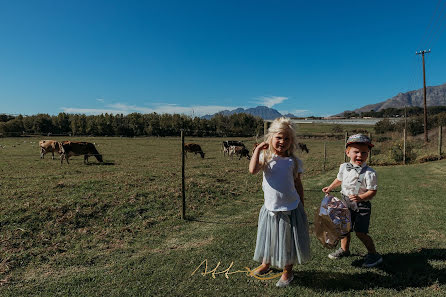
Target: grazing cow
{"x": 77, "y": 148}
{"x": 48, "y": 146}
{"x": 241, "y": 151}
{"x": 228, "y": 143}
{"x": 193, "y": 148}
{"x": 303, "y": 147}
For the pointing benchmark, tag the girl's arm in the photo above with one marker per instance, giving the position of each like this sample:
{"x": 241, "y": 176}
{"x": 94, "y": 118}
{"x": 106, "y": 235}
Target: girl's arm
{"x": 254, "y": 164}
{"x": 336, "y": 183}
{"x": 299, "y": 188}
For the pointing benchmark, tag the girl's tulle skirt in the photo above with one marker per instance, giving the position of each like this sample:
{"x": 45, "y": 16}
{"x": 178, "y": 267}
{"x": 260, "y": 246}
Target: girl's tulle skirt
{"x": 282, "y": 237}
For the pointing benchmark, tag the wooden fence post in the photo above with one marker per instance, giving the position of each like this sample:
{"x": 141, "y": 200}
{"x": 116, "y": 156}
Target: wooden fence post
{"x": 265, "y": 128}
{"x": 325, "y": 154}
{"x": 404, "y": 146}
{"x": 183, "y": 185}
{"x": 345, "y": 144}
{"x": 440, "y": 140}
{"x": 370, "y": 153}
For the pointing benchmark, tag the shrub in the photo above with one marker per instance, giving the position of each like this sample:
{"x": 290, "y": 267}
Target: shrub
{"x": 384, "y": 126}
{"x": 360, "y": 131}
{"x": 415, "y": 126}
{"x": 382, "y": 139}
{"x": 337, "y": 128}
{"x": 396, "y": 152}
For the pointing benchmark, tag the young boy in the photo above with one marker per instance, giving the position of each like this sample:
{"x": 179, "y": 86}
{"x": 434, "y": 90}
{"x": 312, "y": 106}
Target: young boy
{"x": 357, "y": 149}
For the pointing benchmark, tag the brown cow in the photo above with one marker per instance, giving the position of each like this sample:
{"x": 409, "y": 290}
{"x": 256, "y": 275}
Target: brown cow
{"x": 193, "y": 148}
{"x": 77, "y": 148}
{"x": 228, "y": 143}
{"x": 241, "y": 151}
{"x": 48, "y": 146}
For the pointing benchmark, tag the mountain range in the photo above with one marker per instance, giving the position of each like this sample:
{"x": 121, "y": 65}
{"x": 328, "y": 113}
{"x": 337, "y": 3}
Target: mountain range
{"x": 435, "y": 96}
{"x": 264, "y": 112}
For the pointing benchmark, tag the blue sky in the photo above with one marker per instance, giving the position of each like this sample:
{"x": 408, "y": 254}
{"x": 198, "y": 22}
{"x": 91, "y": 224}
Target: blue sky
{"x": 199, "y": 57}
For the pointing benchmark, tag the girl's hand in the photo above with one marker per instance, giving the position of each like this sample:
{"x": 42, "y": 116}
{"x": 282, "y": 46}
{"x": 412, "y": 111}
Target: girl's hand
{"x": 262, "y": 146}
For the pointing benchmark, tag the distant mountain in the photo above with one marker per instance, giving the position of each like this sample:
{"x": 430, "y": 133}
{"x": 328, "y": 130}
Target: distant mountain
{"x": 435, "y": 96}
{"x": 264, "y": 112}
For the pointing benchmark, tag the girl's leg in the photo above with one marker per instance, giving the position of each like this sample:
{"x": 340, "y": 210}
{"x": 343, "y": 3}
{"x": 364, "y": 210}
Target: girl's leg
{"x": 287, "y": 272}
{"x": 262, "y": 268}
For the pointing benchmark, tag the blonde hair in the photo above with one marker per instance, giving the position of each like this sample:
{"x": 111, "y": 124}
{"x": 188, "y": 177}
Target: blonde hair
{"x": 281, "y": 125}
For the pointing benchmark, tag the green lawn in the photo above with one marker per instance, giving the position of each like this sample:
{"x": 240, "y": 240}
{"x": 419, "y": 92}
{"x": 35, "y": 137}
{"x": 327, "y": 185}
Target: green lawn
{"x": 114, "y": 229}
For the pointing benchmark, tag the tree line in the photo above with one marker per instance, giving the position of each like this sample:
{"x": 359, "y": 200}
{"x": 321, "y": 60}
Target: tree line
{"x": 134, "y": 124}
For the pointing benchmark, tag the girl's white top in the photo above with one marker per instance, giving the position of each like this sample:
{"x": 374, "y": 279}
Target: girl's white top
{"x": 278, "y": 183}
{"x": 349, "y": 179}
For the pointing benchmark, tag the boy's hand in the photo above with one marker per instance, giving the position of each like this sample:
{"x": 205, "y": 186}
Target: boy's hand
{"x": 354, "y": 198}
{"x": 326, "y": 190}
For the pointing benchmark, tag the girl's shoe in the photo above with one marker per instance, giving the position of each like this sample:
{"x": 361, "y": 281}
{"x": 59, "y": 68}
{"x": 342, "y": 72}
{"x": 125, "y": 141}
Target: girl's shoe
{"x": 259, "y": 271}
{"x": 281, "y": 283}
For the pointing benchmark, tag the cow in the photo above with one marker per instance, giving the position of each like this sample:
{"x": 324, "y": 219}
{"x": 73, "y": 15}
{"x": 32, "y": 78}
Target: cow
{"x": 77, "y": 148}
{"x": 228, "y": 143}
{"x": 241, "y": 151}
{"x": 48, "y": 146}
{"x": 303, "y": 147}
{"x": 193, "y": 148}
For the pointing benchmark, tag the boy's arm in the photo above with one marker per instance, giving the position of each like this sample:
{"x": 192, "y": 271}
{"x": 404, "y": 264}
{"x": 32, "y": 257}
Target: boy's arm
{"x": 254, "y": 164}
{"x": 336, "y": 183}
{"x": 299, "y": 188}
{"x": 363, "y": 197}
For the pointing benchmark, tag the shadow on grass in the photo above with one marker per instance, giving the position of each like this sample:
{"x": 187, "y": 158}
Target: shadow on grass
{"x": 216, "y": 221}
{"x": 100, "y": 164}
{"x": 403, "y": 270}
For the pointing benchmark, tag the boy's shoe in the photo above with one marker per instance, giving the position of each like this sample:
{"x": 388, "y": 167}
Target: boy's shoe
{"x": 371, "y": 260}
{"x": 340, "y": 253}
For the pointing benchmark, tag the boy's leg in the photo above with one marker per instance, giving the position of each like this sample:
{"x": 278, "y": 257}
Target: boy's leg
{"x": 345, "y": 242}
{"x": 367, "y": 241}
{"x": 343, "y": 251}
{"x": 372, "y": 258}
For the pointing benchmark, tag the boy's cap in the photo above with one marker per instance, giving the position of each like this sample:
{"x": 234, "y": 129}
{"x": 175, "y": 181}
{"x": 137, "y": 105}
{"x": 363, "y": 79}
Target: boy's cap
{"x": 359, "y": 138}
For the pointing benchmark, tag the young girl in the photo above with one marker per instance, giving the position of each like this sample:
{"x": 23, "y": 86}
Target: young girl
{"x": 282, "y": 234}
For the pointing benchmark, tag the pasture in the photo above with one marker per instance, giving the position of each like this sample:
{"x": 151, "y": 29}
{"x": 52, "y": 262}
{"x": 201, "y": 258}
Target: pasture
{"x": 114, "y": 229}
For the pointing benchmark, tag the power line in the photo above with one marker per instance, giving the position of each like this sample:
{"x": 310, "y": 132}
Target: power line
{"x": 432, "y": 24}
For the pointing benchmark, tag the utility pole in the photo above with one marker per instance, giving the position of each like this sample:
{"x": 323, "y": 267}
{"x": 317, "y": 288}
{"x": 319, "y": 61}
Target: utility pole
{"x": 424, "y": 93}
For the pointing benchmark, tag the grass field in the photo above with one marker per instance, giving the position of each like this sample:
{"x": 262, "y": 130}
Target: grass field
{"x": 115, "y": 229}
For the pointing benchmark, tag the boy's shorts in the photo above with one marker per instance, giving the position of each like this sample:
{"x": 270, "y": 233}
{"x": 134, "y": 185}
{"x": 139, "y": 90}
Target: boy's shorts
{"x": 361, "y": 218}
